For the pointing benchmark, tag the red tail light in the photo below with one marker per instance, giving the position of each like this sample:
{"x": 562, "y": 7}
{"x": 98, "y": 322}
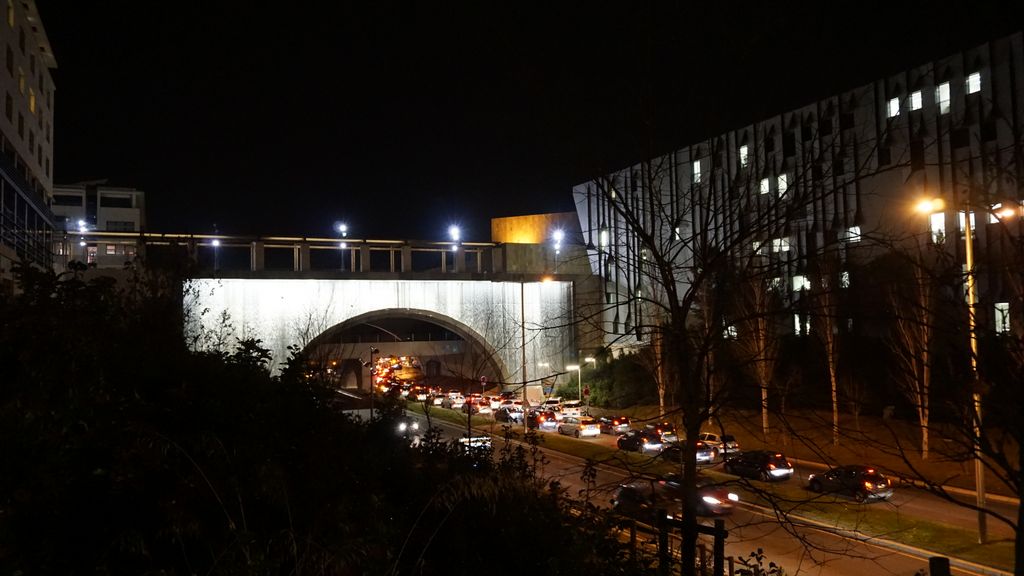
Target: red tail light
{"x": 771, "y": 466}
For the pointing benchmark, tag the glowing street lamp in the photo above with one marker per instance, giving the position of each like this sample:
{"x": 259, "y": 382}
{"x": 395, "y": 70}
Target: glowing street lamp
{"x": 342, "y": 229}
{"x": 558, "y": 236}
{"x": 455, "y": 234}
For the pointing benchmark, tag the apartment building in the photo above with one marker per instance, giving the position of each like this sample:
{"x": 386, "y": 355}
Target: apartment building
{"x": 850, "y": 171}
{"x": 26, "y": 139}
{"x": 81, "y": 209}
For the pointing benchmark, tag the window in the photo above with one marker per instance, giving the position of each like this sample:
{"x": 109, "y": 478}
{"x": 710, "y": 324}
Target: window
{"x": 67, "y": 200}
{"x": 744, "y": 156}
{"x": 10, "y": 61}
{"x": 603, "y": 238}
{"x": 962, "y": 222}
{"x": 9, "y": 107}
{"x": 893, "y": 109}
{"x": 31, "y": 100}
{"x": 844, "y": 279}
{"x": 853, "y": 234}
{"x": 21, "y": 80}
{"x": 801, "y": 282}
{"x": 111, "y": 249}
{"x": 780, "y": 245}
{"x": 942, "y": 97}
{"x": 10, "y": 13}
{"x": 801, "y": 326}
{"x": 696, "y": 171}
{"x": 91, "y": 255}
{"x": 730, "y": 332}
{"x": 775, "y": 283}
{"x": 974, "y": 83}
{"x": 765, "y": 186}
{"x": 1002, "y": 318}
{"x": 21, "y": 125}
{"x": 938, "y": 225}
{"x": 915, "y": 100}
{"x": 783, "y": 184}
{"x": 21, "y": 39}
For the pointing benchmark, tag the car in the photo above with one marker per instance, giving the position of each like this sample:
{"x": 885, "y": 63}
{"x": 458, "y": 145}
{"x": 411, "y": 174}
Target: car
{"x": 765, "y": 465}
{"x": 723, "y": 443}
{"x": 437, "y": 400}
{"x": 554, "y": 404}
{"x": 614, "y": 424}
{"x": 453, "y": 393}
{"x": 862, "y": 482}
{"x": 494, "y": 401}
{"x": 640, "y": 441}
{"x": 674, "y": 452}
{"x": 714, "y": 498}
{"x": 454, "y": 402}
{"x": 509, "y": 414}
{"x": 476, "y": 406}
{"x": 542, "y": 419}
{"x": 409, "y": 428}
{"x": 666, "y": 430}
{"x": 475, "y": 443}
{"x": 419, "y": 393}
{"x": 572, "y": 408}
{"x": 579, "y": 426}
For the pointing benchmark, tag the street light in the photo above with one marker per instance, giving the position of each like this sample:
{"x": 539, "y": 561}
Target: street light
{"x": 216, "y": 254}
{"x": 930, "y": 206}
{"x": 342, "y": 229}
{"x": 455, "y": 234}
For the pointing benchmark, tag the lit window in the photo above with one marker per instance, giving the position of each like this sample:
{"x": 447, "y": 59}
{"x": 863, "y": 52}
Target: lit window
{"x": 893, "y": 109}
{"x": 938, "y": 225}
{"x": 10, "y": 13}
{"x": 111, "y": 249}
{"x": 844, "y": 279}
{"x": 744, "y": 157}
{"x": 730, "y": 332}
{"x": 696, "y": 171}
{"x": 974, "y": 83}
{"x": 765, "y": 185}
{"x": 915, "y": 100}
{"x": 998, "y": 212}
{"x": 775, "y": 283}
{"x": 678, "y": 237}
{"x": 942, "y": 97}
{"x": 853, "y": 234}
{"x": 757, "y": 247}
{"x": 783, "y": 184}
{"x": 1002, "y": 318}
{"x": 31, "y": 100}
{"x": 603, "y": 238}
{"x": 801, "y": 282}
{"x": 962, "y": 222}
{"x": 801, "y": 326}
{"x": 780, "y": 245}
{"x": 21, "y": 80}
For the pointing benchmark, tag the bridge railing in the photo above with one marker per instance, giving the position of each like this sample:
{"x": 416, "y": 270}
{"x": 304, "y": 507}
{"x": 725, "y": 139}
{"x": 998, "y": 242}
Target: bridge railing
{"x": 220, "y": 252}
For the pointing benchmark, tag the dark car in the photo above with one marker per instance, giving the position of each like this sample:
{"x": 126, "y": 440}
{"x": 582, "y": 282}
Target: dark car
{"x": 713, "y": 499}
{"x": 408, "y": 428}
{"x": 641, "y": 500}
{"x": 640, "y": 441}
{"x": 861, "y": 482}
{"x": 666, "y": 430}
{"x": 674, "y": 452}
{"x": 765, "y": 465}
{"x": 614, "y": 424}
{"x": 542, "y": 419}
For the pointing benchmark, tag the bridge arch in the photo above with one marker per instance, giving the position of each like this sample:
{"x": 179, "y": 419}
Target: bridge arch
{"x": 491, "y": 365}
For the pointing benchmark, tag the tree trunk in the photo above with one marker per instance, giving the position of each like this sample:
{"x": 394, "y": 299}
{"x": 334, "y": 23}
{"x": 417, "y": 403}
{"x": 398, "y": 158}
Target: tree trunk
{"x": 835, "y": 401}
{"x": 764, "y": 411}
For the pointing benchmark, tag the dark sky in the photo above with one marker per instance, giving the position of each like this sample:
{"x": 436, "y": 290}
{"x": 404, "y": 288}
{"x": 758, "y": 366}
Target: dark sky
{"x": 285, "y": 117}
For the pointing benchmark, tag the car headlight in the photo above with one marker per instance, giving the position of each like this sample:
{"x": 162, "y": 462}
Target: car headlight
{"x": 712, "y": 500}
{"x": 415, "y": 425}
{"x": 734, "y": 497}
{"x": 402, "y": 427}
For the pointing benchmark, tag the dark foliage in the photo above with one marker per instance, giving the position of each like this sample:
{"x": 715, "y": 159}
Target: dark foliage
{"x": 126, "y": 453}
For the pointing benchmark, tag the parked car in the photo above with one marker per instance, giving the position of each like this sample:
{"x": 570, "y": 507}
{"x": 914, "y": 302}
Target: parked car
{"x": 765, "y": 465}
{"x": 542, "y": 419}
{"x": 640, "y": 441}
{"x": 714, "y": 498}
{"x": 614, "y": 424}
{"x": 861, "y": 482}
{"x": 579, "y": 426}
{"x": 666, "y": 430}
{"x": 674, "y": 452}
{"x": 725, "y": 444}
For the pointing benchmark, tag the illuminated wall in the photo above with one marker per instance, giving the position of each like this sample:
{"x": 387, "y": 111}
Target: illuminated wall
{"x": 293, "y": 312}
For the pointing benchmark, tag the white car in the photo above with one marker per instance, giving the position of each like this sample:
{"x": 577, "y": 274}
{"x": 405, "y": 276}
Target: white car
{"x": 453, "y": 402}
{"x": 579, "y": 427}
{"x": 723, "y": 444}
{"x": 573, "y": 408}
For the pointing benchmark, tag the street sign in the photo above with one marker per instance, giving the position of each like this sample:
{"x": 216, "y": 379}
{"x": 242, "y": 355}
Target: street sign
{"x": 483, "y": 379}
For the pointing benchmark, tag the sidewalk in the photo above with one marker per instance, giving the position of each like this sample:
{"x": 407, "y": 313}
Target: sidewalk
{"x": 808, "y": 439}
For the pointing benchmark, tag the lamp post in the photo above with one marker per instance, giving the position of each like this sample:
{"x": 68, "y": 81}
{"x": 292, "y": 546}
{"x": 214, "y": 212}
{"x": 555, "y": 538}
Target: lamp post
{"x": 932, "y": 206}
{"x": 216, "y": 254}
{"x": 557, "y": 236}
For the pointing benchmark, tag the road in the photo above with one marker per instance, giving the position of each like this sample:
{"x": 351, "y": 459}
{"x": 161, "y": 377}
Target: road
{"x": 800, "y": 547}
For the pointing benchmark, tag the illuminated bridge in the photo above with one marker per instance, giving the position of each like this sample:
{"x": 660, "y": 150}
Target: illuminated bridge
{"x": 501, "y": 311}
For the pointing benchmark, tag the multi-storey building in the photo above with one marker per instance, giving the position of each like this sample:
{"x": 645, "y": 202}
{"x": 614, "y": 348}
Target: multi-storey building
{"x": 846, "y": 171}
{"x": 96, "y": 207}
{"x": 26, "y": 147}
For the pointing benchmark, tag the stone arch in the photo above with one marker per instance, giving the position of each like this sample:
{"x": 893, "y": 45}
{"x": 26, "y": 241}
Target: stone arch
{"x": 491, "y": 355}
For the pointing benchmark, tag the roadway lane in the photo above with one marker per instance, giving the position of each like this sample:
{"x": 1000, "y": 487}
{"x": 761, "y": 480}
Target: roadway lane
{"x": 800, "y": 548}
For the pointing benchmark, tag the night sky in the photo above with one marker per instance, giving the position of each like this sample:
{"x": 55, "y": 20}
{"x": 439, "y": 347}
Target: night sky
{"x": 285, "y": 117}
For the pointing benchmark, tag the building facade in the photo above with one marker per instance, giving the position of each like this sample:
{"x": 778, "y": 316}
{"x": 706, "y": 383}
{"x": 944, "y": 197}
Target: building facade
{"x": 845, "y": 172}
{"x": 26, "y": 147}
{"x": 79, "y": 209}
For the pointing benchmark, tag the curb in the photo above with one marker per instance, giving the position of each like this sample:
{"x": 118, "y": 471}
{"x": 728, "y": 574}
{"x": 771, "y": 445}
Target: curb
{"x": 922, "y": 553}
{"x": 918, "y": 484}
